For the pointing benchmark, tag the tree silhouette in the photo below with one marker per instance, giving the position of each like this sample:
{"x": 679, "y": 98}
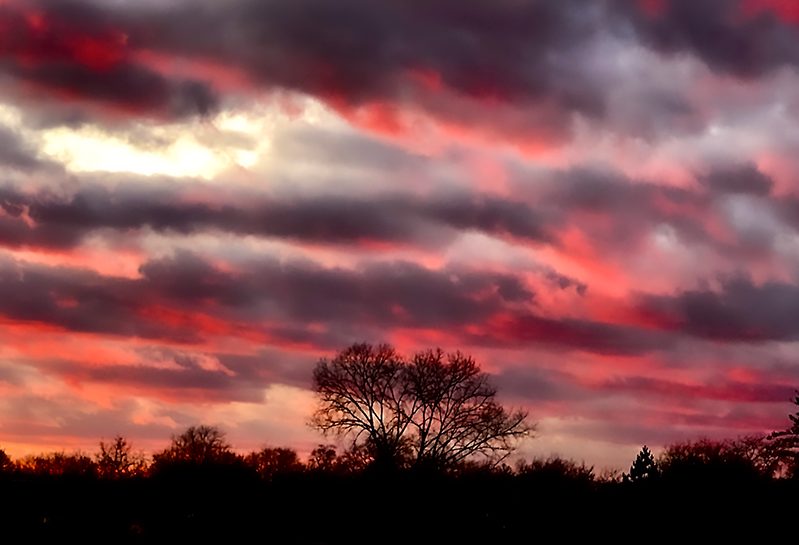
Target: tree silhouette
{"x": 269, "y": 462}
{"x": 198, "y": 445}
{"x": 5, "y": 462}
{"x": 763, "y": 452}
{"x": 323, "y": 458}
{"x": 435, "y": 410}
{"x": 456, "y": 415}
{"x": 708, "y": 461}
{"x": 59, "y": 464}
{"x": 787, "y": 441}
{"x": 644, "y": 467}
{"x": 554, "y": 471}
{"x": 362, "y": 393}
{"x": 117, "y": 459}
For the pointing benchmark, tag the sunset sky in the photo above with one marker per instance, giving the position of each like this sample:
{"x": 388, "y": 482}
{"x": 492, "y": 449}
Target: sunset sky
{"x": 199, "y": 199}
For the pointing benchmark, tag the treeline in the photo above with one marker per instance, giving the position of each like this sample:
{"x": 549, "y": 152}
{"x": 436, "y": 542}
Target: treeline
{"x": 199, "y": 488}
{"x": 204, "y": 448}
{"x": 197, "y": 448}
{"x": 429, "y": 460}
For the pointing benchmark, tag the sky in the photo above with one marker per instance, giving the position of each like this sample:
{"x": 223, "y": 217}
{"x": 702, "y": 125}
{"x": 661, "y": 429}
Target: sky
{"x": 597, "y": 199}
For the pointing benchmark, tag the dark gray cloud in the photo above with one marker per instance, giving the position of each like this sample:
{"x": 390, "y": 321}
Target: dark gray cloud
{"x": 739, "y": 310}
{"x": 352, "y": 53}
{"x": 72, "y": 52}
{"x": 524, "y": 329}
{"x": 301, "y": 292}
{"x": 359, "y": 49}
{"x": 744, "y": 178}
{"x": 724, "y": 34}
{"x": 386, "y": 293}
{"x": 537, "y": 56}
{"x": 618, "y": 214}
{"x": 64, "y": 220}
{"x": 724, "y": 390}
{"x": 133, "y": 89}
{"x": 566, "y": 282}
{"x": 539, "y": 385}
{"x": 477, "y": 307}
{"x": 545, "y": 204}
{"x": 14, "y": 153}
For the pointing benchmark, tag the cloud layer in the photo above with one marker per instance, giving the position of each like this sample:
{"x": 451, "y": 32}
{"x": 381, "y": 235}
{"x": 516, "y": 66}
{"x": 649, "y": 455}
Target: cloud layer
{"x": 596, "y": 198}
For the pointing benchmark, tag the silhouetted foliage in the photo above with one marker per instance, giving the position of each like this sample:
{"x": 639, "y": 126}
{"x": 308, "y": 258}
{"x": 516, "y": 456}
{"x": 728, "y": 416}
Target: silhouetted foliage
{"x": 323, "y": 459}
{"x": 794, "y": 418}
{"x": 765, "y": 454}
{"x": 199, "y": 490}
{"x": 786, "y": 442}
{"x": 435, "y": 410}
{"x": 326, "y": 459}
{"x": 198, "y": 446}
{"x": 117, "y": 459}
{"x": 644, "y": 467}
{"x": 271, "y": 462}
{"x": 58, "y": 464}
{"x": 5, "y": 462}
{"x": 708, "y": 462}
{"x": 339, "y": 500}
{"x": 354, "y": 460}
{"x": 555, "y": 471}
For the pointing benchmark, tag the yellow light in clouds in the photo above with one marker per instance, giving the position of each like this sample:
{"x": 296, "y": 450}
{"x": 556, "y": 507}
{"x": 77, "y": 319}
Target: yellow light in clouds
{"x": 9, "y": 116}
{"x": 89, "y": 149}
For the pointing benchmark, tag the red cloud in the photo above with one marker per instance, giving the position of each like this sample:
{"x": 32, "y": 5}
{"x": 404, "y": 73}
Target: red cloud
{"x": 87, "y": 60}
{"x": 37, "y": 37}
{"x": 787, "y": 10}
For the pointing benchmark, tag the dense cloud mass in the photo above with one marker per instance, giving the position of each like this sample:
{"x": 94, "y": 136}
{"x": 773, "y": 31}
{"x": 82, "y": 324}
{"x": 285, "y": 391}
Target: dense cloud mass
{"x": 62, "y": 221}
{"x": 739, "y": 311}
{"x": 198, "y": 199}
{"x": 738, "y": 37}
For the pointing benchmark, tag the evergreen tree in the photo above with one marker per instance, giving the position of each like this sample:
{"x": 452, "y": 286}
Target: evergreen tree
{"x": 644, "y": 467}
{"x": 787, "y": 443}
{"x": 794, "y": 429}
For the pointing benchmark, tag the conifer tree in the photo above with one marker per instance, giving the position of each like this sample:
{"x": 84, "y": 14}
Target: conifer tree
{"x": 644, "y": 467}
{"x": 787, "y": 443}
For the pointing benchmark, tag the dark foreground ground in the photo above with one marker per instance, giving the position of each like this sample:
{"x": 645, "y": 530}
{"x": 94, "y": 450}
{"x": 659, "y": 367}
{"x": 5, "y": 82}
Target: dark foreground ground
{"x": 224, "y": 505}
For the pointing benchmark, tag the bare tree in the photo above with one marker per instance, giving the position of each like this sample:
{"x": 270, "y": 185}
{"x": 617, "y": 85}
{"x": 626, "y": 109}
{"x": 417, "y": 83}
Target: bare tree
{"x": 434, "y": 410}
{"x": 323, "y": 458}
{"x": 362, "y": 394}
{"x": 269, "y": 462}
{"x": 117, "y": 459}
{"x": 197, "y": 445}
{"x": 455, "y": 412}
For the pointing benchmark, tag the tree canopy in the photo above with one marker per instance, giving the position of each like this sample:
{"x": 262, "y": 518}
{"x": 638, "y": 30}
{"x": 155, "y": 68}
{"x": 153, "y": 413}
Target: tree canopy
{"x": 644, "y": 467}
{"x": 434, "y": 409}
{"x": 198, "y": 445}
